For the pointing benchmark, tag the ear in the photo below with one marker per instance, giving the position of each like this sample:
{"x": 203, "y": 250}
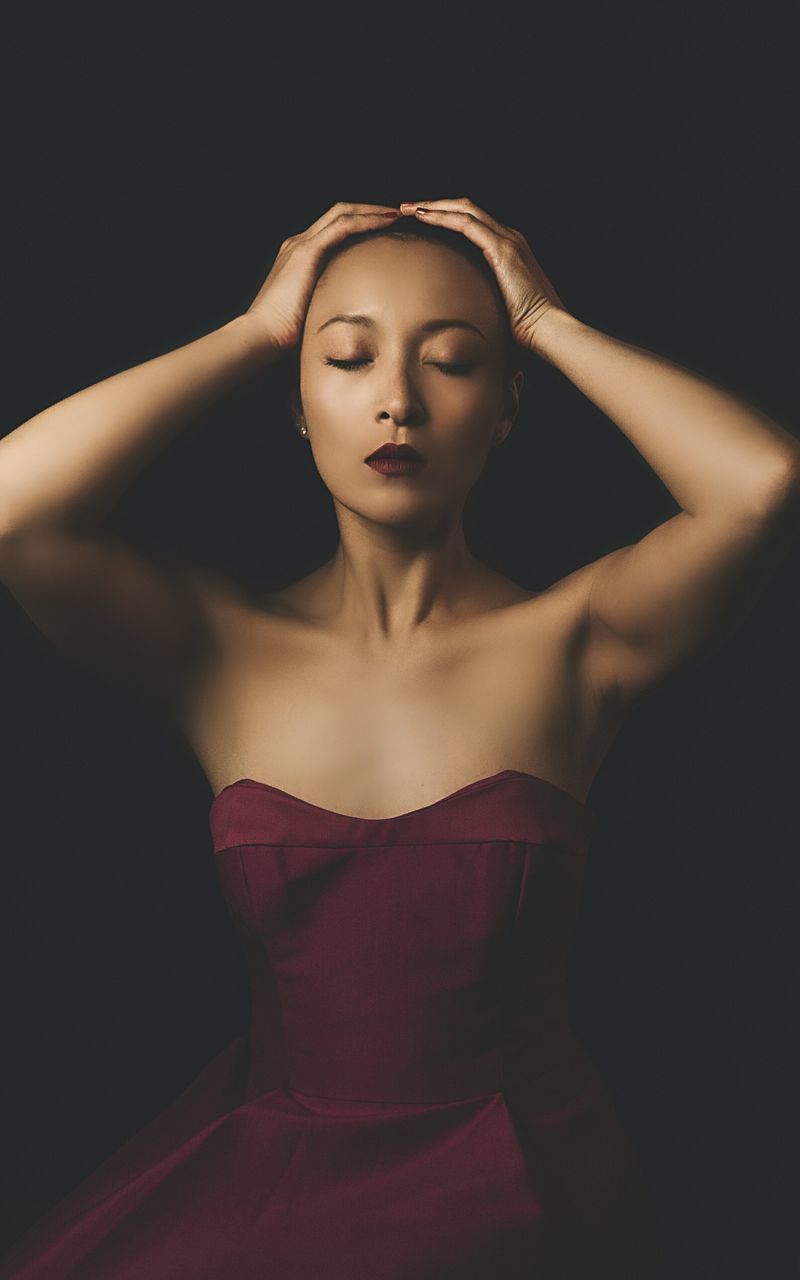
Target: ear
{"x": 511, "y": 394}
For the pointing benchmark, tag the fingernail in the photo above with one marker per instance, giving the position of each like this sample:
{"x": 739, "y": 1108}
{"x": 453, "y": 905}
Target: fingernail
{"x": 393, "y": 214}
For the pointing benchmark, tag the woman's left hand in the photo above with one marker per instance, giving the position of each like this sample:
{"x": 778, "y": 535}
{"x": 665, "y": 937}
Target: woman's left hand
{"x": 526, "y": 289}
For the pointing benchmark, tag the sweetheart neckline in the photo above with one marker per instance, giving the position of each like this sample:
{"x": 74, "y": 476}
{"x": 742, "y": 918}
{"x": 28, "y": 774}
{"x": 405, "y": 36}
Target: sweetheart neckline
{"x": 579, "y": 805}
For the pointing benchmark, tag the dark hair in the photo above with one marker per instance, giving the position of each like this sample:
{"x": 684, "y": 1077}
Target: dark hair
{"x": 406, "y": 229}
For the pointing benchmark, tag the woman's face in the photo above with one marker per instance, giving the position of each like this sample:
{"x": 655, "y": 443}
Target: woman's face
{"x": 398, "y": 391}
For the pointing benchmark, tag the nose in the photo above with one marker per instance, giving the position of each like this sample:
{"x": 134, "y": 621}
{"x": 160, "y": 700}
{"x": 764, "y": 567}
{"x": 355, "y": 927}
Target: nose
{"x": 399, "y": 398}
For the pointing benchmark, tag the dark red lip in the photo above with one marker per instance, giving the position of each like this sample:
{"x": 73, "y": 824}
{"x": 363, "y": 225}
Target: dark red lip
{"x": 396, "y": 451}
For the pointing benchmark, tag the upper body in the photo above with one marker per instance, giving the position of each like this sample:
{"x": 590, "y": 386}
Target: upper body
{"x": 403, "y": 668}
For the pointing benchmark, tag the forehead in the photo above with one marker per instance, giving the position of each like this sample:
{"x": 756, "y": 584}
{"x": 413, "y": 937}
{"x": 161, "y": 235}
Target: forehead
{"x": 403, "y": 282}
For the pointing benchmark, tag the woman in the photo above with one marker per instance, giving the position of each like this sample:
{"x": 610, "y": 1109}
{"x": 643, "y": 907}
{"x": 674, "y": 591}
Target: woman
{"x": 400, "y": 746}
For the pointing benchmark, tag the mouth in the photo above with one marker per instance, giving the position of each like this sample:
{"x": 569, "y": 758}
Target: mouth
{"x": 401, "y": 452}
{"x": 396, "y": 460}
{"x": 396, "y": 466}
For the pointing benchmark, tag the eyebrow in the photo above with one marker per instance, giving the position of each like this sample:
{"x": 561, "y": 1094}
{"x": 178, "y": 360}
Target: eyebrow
{"x": 430, "y": 326}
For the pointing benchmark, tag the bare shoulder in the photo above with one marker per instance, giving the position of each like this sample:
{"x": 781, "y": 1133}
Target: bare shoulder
{"x": 222, "y": 598}
{"x": 240, "y": 621}
{"x": 596, "y": 677}
{"x": 558, "y": 617}
{"x": 230, "y": 609}
{"x": 565, "y": 600}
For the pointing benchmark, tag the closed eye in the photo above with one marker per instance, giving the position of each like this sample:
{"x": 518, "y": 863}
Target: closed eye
{"x": 450, "y": 369}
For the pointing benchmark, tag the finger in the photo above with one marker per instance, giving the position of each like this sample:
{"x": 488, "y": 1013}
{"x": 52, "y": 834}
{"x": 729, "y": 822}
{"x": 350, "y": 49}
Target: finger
{"x": 485, "y": 237}
{"x": 344, "y": 206}
{"x": 343, "y": 225}
{"x": 463, "y": 204}
{"x": 346, "y": 222}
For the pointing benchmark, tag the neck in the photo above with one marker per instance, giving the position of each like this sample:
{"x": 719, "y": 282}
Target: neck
{"x": 387, "y": 588}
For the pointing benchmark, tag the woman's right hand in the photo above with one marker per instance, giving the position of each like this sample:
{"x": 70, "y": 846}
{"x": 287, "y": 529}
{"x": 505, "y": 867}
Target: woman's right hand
{"x": 282, "y": 301}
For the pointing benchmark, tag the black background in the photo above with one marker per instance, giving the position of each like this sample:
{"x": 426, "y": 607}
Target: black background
{"x": 152, "y": 168}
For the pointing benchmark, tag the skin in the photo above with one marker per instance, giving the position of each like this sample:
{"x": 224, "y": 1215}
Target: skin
{"x": 402, "y": 567}
{"x": 571, "y": 664}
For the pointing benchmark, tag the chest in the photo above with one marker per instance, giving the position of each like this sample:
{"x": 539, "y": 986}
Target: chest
{"x": 319, "y": 719}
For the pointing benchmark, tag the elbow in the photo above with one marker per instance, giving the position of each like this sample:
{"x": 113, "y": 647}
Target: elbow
{"x": 781, "y": 488}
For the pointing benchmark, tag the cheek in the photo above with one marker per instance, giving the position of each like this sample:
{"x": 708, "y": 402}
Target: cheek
{"x": 473, "y": 399}
{"x": 331, "y": 402}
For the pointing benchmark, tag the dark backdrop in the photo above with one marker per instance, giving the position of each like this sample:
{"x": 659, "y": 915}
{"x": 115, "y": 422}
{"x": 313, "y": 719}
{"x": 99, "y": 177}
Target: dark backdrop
{"x": 151, "y": 171}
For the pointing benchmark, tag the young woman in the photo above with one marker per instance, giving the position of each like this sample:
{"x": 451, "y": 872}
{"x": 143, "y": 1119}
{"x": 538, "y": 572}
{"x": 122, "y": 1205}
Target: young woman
{"x": 400, "y": 747}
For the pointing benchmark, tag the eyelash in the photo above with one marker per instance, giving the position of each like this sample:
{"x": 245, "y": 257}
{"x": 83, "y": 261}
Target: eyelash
{"x": 452, "y": 370}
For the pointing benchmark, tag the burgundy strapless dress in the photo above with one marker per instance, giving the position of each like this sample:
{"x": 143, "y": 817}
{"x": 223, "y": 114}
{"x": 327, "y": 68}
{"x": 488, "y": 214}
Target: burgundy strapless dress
{"x": 409, "y": 1102}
